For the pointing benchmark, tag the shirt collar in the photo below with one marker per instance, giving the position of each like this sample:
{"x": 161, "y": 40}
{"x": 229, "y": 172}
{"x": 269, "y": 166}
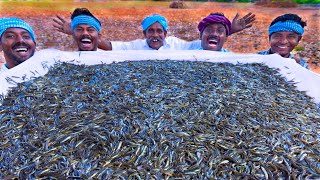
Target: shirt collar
{"x": 270, "y": 52}
{"x": 221, "y": 50}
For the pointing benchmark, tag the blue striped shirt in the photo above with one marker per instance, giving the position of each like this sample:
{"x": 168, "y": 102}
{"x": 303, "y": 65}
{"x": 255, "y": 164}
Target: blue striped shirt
{"x": 302, "y": 62}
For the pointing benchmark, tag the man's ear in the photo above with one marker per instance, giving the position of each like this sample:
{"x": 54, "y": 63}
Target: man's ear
{"x": 225, "y": 40}
{"x": 165, "y": 33}
{"x": 144, "y": 33}
{"x": 300, "y": 37}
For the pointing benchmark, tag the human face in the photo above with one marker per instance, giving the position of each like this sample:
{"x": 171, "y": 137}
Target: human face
{"x": 155, "y": 35}
{"x": 283, "y": 42}
{"x": 86, "y": 37}
{"x": 17, "y": 46}
{"x": 213, "y": 37}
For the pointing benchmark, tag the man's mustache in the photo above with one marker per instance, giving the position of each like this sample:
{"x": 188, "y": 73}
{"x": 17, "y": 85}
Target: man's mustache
{"x": 159, "y": 39}
{"x": 18, "y": 44}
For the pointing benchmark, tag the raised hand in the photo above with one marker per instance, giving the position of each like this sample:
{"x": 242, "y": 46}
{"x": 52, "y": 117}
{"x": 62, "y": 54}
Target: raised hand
{"x": 61, "y": 25}
{"x": 242, "y": 23}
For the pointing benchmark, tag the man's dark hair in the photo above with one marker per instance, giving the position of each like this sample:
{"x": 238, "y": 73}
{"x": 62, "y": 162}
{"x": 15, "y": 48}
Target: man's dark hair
{"x": 287, "y": 17}
{"x": 217, "y": 13}
{"x": 82, "y": 11}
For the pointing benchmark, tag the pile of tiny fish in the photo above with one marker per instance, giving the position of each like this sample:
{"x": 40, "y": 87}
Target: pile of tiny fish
{"x": 159, "y": 120}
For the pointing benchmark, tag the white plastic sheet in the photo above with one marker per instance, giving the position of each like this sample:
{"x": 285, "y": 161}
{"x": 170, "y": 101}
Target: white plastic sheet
{"x": 39, "y": 64}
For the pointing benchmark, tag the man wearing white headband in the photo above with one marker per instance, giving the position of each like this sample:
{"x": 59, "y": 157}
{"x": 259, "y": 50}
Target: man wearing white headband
{"x": 285, "y": 32}
{"x": 86, "y": 29}
{"x": 155, "y": 29}
{"x": 17, "y": 41}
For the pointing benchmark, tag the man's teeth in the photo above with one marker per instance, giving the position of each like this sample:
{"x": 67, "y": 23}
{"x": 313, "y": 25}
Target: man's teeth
{"x": 155, "y": 40}
{"x": 213, "y": 41}
{"x": 86, "y": 40}
{"x": 21, "y": 49}
{"x": 282, "y": 47}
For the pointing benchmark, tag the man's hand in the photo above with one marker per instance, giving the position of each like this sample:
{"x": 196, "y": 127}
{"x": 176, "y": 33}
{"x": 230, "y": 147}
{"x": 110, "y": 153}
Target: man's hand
{"x": 242, "y": 23}
{"x": 61, "y": 25}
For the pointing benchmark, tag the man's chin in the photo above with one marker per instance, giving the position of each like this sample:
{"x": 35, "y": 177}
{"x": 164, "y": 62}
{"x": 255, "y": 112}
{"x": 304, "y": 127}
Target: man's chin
{"x": 283, "y": 53}
{"x": 155, "y": 45}
{"x": 21, "y": 59}
{"x": 213, "y": 49}
{"x": 87, "y": 49}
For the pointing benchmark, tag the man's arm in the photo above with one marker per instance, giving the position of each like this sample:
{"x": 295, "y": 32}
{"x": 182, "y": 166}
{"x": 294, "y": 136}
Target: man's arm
{"x": 242, "y": 23}
{"x": 104, "y": 45}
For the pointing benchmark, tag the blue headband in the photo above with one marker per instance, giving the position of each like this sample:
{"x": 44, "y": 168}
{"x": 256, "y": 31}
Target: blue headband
{"x": 149, "y": 20}
{"x": 289, "y": 26}
{"x": 84, "y": 19}
{"x": 6, "y": 23}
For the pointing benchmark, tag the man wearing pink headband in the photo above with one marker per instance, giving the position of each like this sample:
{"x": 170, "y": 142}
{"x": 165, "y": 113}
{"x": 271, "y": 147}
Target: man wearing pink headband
{"x": 214, "y": 30}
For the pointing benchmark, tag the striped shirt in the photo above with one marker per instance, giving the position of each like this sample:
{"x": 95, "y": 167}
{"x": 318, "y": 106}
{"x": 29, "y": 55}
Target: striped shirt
{"x": 3, "y": 68}
{"x": 302, "y": 62}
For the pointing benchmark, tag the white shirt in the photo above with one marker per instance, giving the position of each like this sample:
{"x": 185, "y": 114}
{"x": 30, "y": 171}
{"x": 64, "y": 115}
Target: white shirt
{"x": 170, "y": 43}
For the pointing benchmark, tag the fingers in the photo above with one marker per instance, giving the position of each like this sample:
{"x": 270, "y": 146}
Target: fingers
{"x": 59, "y": 20}
{"x": 247, "y": 15}
{"x": 236, "y": 16}
{"x": 58, "y": 25}
{"x": 249, "y": 18}
{"x": 248, "y": 26}
{"x": 58, "y": 28}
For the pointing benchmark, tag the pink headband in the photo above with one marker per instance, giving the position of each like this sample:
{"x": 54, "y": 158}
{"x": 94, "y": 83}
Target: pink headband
{"x": 215, "y": 19}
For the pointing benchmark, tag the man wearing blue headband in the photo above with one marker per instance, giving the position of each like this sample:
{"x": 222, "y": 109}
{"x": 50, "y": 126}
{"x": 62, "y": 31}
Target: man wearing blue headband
{"x": 85, "y": 29}
{"x": 285, "y": 32}
{"x": 17, "y": 41}
{"x": 155, "y": 29}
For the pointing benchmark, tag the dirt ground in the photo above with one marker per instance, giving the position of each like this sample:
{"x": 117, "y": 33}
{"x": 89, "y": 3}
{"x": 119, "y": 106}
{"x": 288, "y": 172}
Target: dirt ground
{"x": 124, "y": 23}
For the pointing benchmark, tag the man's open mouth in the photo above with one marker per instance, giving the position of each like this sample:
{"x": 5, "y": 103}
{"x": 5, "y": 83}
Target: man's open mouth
{"x": 213, "y": 42}
{"x": 86, "y": 40}
{"x": 21, "y": 49}
{"x": 282, "y": 47}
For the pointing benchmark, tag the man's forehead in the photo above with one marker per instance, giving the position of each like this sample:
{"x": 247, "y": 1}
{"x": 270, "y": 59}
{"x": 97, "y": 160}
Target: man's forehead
{"x": 156, "y": 25}
{"x": 286, "y": 33}
{"x": 216, "y": 25}
{"x": 84, "y": 26}
{"x": 16, "y": 30}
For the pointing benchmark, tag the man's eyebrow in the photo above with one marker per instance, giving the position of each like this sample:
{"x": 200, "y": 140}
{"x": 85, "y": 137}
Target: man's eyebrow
{"x": 8, "y": 31}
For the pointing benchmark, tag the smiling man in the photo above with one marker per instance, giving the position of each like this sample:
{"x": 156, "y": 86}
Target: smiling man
{"x": 155, "y": 29}
{"x": 86, "y": 29}
{"x": 285, "y": 33}
{"x": 214, "y": 31}
{"x": 17, "y": 41}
